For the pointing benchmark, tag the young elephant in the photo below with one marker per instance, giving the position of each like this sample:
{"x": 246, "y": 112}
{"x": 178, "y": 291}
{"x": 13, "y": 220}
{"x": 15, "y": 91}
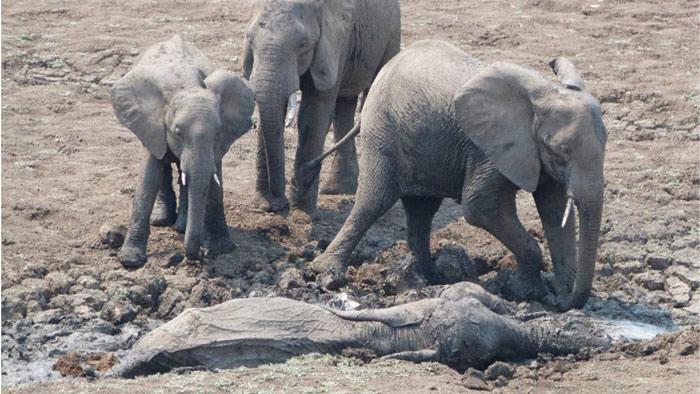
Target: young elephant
{"x": 438, "y": 123}
{"x": 183, "y": 111}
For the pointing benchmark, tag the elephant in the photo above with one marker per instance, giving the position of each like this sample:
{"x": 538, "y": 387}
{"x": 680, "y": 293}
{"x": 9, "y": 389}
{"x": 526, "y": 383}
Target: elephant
{"x": 463, "y": 326}
{"x": 183, "y": 110}
{"x": 331, "y": 50}
{"x": 438, "y": 123}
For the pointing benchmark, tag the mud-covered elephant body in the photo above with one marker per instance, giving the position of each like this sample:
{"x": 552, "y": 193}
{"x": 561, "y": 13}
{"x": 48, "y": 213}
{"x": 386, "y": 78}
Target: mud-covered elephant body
{"x": 185, "y": 111}
{"x": 438, "y": 123}
{"x": 462, "y": 327}
{"x": 331, "y": 50}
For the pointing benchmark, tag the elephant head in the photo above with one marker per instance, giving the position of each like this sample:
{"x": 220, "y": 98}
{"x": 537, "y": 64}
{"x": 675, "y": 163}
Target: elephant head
{"x": 284, "y": 41}
{"x": 551, "y": 141}
{"x": 197, "y": 125}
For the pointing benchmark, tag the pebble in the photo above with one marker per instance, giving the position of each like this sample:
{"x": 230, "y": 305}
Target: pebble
{"x": 679, "y": 291}
{"x": 499, "y": 369}
{"x": 657, "y": 262}
{"x": 474, "y": 379}
{"x": 112, "y": 235}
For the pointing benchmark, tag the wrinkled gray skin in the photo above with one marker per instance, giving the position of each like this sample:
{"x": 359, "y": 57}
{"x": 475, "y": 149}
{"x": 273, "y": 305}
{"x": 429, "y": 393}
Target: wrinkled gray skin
{"x": 462, "y": 328}
{"x": 184, "y": 112}
{"x": 438, "y": 123}
{"x": 331, "y": 50}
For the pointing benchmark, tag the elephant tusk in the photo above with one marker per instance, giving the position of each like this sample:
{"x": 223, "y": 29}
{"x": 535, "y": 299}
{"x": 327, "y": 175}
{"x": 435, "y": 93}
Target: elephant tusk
{"x": 182, "y": 177}
{"x": 567, "y": 211}
{"x": 292, "y": 106}
{"x": 216, "y": 179}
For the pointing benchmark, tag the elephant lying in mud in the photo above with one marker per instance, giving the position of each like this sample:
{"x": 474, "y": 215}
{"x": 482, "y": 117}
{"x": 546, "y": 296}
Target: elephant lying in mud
{"x": 184, "y": 111}
{"x": 438, "y": 123}
{"x": 331, "y": 50}
{"x": 461, "y": 328}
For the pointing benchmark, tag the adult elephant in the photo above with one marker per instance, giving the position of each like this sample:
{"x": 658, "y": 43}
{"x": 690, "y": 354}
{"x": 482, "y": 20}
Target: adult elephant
{"x": 439, "y": 123}
{"x": 331, "y": 50}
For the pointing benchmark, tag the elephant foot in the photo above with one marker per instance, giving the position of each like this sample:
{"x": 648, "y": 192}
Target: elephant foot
{"x": 339, "y": 186}
{"x": 132, "y": 256}
{"x": 331, "y": 272}
{"x": 163, "y": 216}
{"x": 219, "y": 245}
{"x": 301, "y": 216}
{"x": 181, "y": 223}
{"x": 268, "y": 203}
{"x": 520, "y": 285}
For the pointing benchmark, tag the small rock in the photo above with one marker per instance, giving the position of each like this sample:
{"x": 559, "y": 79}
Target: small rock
{"x": 119, "y": 311}
{"x": 35, "y": 270}
{"x": 49, "y": 316}
{"x": 651, "y": 280}
{"x": 59, "y": 282}
{"x": 657, "y": 262}
{"x": 452, "y": 265}
{"x": 112, "y": 235}
{"x": 630, "y": 267}
{"x": 291, "y": 279}
{"x": 497, "y": 369}
{"x": 343, "y": 302}
{"x": 679, "y": 291}
{"x": 474, "y": 379}
{"x": 561, "y": 366}
{"x": 88, "y": 282}
{"x": 501, "y": 381}
{"x": 691, "y": 277}
{"x": 534, "y": 364}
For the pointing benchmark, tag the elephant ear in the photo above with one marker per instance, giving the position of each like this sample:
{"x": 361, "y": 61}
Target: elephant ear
{"x": 496, "y": 112}
{"x": 139, "y": 104}
{"x": 237, "y": 104}
{"x": 336, "y": 25}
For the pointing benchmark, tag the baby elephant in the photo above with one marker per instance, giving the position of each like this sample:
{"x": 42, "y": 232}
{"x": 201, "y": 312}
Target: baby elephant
{"x": 184, "y": 111}
{"x": 438, "y": 123}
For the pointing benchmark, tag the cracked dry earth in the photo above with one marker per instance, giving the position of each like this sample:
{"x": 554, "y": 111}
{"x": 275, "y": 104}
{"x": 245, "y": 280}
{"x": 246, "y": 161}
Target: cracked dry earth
{"x": 68, "y": 169}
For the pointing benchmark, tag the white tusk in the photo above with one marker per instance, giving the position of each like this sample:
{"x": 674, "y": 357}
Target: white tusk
{"x": 182, "y": 177}
{"x": 216, "y": 179}
{"x": 292, "y": 105}
{"x": 567, "y": 211}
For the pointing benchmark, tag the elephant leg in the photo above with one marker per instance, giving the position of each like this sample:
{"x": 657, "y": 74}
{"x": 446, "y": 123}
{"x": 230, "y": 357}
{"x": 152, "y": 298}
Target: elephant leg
{"x": 489, "y": 203}
{"x": 218, "y": 238}
{"x": 133, "y": 253}
{"x": 314, "y": 119}
{"x": 181, "y": 222}
{"x": 550, "y": 198}
{"x": 343, "y": 175}
{"x": 165, "y": 210}
{"x": 378, "y": 191}
{"x": 269, "y": 184}
{"x": 419, "y": 217}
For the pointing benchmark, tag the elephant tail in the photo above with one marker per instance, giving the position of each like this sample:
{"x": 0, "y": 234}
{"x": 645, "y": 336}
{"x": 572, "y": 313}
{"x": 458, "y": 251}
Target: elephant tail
{"x": 315, "y": 162}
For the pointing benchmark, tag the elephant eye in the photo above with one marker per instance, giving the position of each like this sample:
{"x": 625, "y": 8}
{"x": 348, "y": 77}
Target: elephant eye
{"x": 177, "y": 131}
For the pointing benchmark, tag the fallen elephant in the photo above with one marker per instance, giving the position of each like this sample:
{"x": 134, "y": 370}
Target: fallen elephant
{"x": 463, "y": 327}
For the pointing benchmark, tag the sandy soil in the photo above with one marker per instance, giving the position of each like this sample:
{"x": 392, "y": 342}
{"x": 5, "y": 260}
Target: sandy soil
{"x": 68, "y": 168}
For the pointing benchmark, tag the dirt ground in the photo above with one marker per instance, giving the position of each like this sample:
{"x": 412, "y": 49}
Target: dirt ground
{"x": 68, "y": 168}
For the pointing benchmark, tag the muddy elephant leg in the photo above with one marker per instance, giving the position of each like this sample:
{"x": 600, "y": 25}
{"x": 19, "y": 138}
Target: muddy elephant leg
{"x": 343, "y": 175}
{"x": 133, "y": 253}
{"x": 378, "y": 191}
{"x": 165, "y": 210}
{"x": 419, "y": 217}
{"x": 489, "y": 203}
{"x": 181, "y": 222}
{"x": 314, "y": 119}
{"x": 218, "y": 238}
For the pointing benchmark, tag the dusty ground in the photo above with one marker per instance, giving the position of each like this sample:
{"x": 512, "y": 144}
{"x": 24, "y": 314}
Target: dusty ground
{"x": 68, "y": 168}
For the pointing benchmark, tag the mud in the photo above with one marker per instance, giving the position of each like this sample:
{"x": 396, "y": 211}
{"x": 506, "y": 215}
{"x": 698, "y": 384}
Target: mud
{"x": 68, "y": 169}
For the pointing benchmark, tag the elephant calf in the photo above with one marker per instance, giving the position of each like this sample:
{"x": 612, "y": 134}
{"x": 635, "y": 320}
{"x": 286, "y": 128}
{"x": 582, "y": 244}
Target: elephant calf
{"x": 438, "y": 123}
{"x": 184, "y": 111}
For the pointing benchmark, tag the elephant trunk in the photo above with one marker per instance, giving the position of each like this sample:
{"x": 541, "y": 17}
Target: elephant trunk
{"x": 199, "y": 175}
{"x": 534, "y": 340}
{"x": 272, "y": 81}
{"x": 589, "y": 201}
